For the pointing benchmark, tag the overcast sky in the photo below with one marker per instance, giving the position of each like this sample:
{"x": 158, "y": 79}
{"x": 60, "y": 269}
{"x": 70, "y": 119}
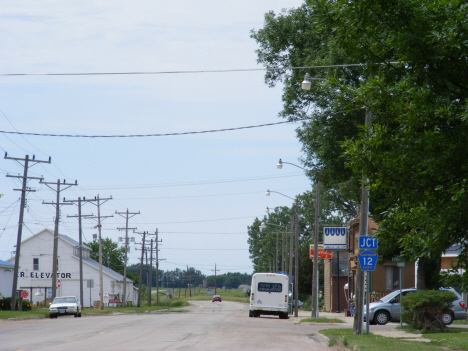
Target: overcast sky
{"x": 201, "y": 191}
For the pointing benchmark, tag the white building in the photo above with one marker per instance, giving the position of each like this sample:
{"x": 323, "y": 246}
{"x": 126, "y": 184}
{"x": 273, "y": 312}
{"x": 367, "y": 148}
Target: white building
{"x": 35, "y": 272}
{"x": 6, "y": 278}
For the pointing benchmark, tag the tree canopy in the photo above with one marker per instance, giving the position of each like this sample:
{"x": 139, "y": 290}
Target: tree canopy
{"x": 411, "y": 72}
{"x": 112, "y": 254}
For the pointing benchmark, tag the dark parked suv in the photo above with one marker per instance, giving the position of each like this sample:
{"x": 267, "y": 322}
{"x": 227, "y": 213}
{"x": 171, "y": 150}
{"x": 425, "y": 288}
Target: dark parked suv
{"x": 387, "y": 309}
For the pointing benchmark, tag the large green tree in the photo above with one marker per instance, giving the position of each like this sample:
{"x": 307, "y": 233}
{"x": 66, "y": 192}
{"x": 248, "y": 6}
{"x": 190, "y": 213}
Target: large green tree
{"x": 414, "y": 81}
{"x": 112, "y": 255}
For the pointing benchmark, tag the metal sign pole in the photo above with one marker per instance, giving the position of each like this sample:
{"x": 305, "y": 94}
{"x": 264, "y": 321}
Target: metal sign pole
{"x": 401, "y": 274}
{"x": 367, "y": 303}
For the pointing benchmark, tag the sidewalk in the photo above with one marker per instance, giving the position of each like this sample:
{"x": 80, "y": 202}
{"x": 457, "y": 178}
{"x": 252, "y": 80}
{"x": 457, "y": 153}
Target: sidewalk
{"x": 389, "y": 331}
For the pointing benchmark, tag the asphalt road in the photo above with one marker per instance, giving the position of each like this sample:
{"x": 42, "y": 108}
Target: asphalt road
{"x": 204, "y": 326}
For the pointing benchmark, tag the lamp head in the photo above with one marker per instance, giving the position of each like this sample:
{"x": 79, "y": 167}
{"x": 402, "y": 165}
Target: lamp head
{"x": 280, "y": 164}
{"x": 262, "y": 226}
{"x": 267, "y": 192}
{"x": 267, "y": 210}
{"x": 306, "y": 83}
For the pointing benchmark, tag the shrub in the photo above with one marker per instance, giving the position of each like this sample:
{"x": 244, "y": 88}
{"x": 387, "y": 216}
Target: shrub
{"x": 5, "y": 305}
{"x": 424, "y": 309}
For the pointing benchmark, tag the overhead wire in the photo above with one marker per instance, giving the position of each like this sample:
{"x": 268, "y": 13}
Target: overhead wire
{"x": 192, "y": 71}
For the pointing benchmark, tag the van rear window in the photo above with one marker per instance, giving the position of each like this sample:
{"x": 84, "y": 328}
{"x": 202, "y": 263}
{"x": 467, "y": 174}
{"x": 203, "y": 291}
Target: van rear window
{"x": 270, "y": 287}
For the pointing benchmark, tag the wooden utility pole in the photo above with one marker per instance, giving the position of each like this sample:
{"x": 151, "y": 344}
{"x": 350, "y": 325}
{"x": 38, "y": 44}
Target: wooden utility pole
{"x": 151, "y": 273}
{"x": 157, "y": 266}
{"x": 363, "y": 223}
{"x": 315, "y": 304}
{"x": 141, "y": 269}
{"x": 23, "y": 190}
{"x": 127, "y": 216}
{"x": 56, "y": 229}
{"x": 215, "y": 270}
{"x": 296, "y": 264}
{"x": 99, "y": 226}
{"x": 80, "y": 241}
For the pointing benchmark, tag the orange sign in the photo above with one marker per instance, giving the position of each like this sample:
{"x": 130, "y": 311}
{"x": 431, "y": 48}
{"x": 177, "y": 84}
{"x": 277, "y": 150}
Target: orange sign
{"x": 321, "y": 254}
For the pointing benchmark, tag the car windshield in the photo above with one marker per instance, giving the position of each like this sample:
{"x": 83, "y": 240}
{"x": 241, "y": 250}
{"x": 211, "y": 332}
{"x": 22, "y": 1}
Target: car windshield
{"x": 390, "y": 296}
{"x": 64, "y": 300}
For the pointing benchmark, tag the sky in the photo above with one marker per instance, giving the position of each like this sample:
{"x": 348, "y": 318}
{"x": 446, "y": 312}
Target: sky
{"x": 201, "y": 191}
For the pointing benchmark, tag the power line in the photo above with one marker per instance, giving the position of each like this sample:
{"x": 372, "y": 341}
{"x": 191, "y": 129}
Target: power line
{"x": 190, "y": 72}
{"x": 172, "y": 134}
{"x": 145, "y": 135}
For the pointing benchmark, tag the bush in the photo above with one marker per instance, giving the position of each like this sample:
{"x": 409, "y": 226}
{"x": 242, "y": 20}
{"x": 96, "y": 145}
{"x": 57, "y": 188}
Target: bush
{"x": 5, "y": 305}
{"x": 424, "y": 309}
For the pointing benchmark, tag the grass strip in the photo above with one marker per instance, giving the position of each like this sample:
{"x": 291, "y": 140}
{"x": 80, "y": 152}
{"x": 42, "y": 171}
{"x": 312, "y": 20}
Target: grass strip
{"x": 451, "y": 339}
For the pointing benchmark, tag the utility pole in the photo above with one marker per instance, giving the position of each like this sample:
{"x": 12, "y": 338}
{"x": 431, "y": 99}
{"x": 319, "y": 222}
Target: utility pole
{"x": 80, "y": 240}
{"x": 188, "y": 277}
{"x": 215, "y": 270}
{"x": 56, "y": 233}
{"x": 157, "y": 266}
{"x": 23, "y": 190}
{"x": 151, "y": 273}
{"x": 296, "y": 263}
{"x": 363, "y": 224}
{"x": 282, "y": 251}
{"x": 315, "y": 304}
{"x": 99, "y": 226}
{"x": 276, "y": 257}
{"x": 127, "y": 216}
{"x": 141, "y": 268}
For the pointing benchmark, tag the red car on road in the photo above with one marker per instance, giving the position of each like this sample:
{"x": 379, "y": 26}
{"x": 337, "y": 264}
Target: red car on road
{"x": 216, "y": 298}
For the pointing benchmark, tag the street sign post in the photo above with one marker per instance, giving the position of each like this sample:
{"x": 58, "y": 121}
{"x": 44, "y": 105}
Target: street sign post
{"x": 368, "y": 242}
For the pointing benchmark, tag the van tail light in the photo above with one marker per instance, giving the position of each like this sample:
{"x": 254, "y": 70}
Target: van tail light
{"x": 285, "y": 298}
{"x": 252, "y": 296}
{"x": 462, "y": 304}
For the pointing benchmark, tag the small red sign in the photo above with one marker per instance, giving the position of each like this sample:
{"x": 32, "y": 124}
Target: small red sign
{"x": 321, "y": 254}
{"x": 58, "y": 283}
{"x": 25, "y": 294}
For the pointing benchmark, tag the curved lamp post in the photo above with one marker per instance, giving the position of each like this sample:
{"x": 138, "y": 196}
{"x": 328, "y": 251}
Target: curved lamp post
{"x": 364, "y": 215}
{"x": 272, "y": 253}
{"x": 315, "y": 305}
{"x": 296, "y": 258}
{"x": 262, "y": 227}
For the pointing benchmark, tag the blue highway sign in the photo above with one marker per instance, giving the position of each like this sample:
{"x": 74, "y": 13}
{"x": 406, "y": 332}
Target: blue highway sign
{"x": 367, "y": 260}
{"x": 368, "y": 242}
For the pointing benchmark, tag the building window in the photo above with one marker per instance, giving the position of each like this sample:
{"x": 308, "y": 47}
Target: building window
{"x": 391, "y": 278}
{"x": 35, "y": 264}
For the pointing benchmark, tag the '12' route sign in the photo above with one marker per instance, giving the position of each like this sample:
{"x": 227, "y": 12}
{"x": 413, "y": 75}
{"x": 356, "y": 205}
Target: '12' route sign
{"x": 368, "y": 242}
{"x": 367, "y": 260}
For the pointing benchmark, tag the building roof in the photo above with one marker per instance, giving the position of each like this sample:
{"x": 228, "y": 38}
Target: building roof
{"x": 453, "y": 250}
{"x": 73, "y": 241}
{"x": 106, "y": 270}
{"x": 6, "y": 264}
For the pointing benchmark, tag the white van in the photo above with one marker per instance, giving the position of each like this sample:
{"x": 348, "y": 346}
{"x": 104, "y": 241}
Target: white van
{"x": 269, "y": 295}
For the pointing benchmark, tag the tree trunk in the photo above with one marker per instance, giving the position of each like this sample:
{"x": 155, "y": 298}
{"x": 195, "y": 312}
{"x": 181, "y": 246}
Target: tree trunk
{"x": 428, "y": 273}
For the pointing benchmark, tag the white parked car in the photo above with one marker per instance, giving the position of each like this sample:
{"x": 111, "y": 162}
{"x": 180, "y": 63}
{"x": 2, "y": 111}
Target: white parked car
{"x": 64, "y": 305}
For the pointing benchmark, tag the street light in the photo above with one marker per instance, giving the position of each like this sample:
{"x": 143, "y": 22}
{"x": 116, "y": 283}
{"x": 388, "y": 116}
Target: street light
{"x": 270, "y": 260}
{"x": 262, "y": 227}
{"x": 296, "y": 260}
{"x": 315, "y": 305}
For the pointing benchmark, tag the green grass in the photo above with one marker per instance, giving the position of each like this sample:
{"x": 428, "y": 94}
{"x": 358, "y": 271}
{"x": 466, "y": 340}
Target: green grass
{"x": 41, "y": 312}
{"x": 235, "y": 295}
{"x": 171, "y": 305}
{"x": 451, "y": 339}
{"x": 321, "y": 320}
{"x": 460, "y": 322}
